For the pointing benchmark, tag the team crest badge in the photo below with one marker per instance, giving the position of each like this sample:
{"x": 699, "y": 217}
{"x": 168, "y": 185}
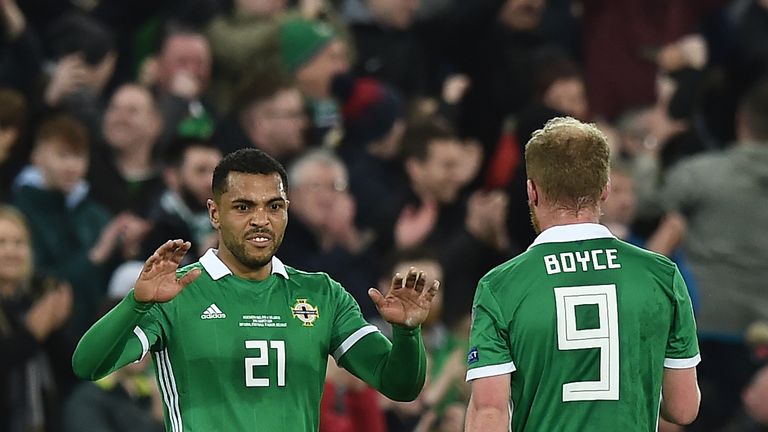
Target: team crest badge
{"x": 305, "y": 312}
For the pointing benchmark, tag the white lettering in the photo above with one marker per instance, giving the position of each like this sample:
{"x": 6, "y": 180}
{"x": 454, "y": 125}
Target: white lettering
{"x": 568, "y": 262}
{"x": 595, "y": 262}
{"x": 583, "y": 259}
{"x": 553, "y": 266}
{"x": 612, "y": 257}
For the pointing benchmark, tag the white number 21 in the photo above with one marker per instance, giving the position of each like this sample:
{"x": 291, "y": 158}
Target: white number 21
{"x": 605, "y": 338}
{"x": 262, "y": 359}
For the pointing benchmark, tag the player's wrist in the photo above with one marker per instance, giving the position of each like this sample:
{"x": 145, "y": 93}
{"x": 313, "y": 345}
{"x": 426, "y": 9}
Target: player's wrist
{"x": 403, "y": 330}
{"x": 137, "y": 304}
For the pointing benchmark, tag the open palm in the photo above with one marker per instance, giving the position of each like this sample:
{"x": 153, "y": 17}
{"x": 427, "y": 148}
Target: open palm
{"x": 157, "y": 282}
{"x": 408, "y": 301}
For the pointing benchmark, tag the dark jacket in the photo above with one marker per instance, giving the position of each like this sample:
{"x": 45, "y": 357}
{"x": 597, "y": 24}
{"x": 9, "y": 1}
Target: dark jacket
{"x": 62, "y": 237}
{"x": 34, "y": 376}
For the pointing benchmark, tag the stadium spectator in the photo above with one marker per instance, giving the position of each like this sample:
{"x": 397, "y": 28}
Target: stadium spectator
{"x": 180, "y": 75}
{"x": 84, "y": 61}
{"x": 713, "y": 202}
{"x": 74, "y": 238}
{"x": 182, "y": 210}
{"x": 269, "y": 115}
{"x": 21, "y": 56}
{"x": 13, "y": 119}
{"x": 322, "y": 234}
{"x": 469, "y": 232}
{"x": 374, "y": 124}
{"x": 314, "y": 53}
{"x": 34, "y": 368}
{"x": 237, "y": 38}
{"x": 124, "y": 174}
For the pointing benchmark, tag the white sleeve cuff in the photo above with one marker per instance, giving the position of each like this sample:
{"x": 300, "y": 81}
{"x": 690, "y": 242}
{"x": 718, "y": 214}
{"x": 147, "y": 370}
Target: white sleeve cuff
{"x": 489, "y": 371}
{"x": 144, "y": 342}
{"x": 671, "y": 363}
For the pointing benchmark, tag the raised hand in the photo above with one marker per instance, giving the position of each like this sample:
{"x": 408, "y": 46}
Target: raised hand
{"x": 408, "y": 301}
{"x": 157, "y": 282}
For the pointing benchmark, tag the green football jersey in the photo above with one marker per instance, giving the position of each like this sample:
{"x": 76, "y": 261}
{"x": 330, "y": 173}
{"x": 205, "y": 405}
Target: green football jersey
{"x": 585, "y": 324}
{"x": 240, "y": 355}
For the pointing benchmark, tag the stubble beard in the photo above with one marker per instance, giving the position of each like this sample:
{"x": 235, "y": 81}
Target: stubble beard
{"x": 237, "y": 248}
{"x": 534, "y": 219}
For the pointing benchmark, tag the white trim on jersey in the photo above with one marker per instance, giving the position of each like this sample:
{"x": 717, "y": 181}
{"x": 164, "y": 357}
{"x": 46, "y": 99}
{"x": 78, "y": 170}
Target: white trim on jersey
{"x": 670, "y": 363}
{"x": 217, "y": 269}
{"x": 489, "y": 371}
{"x": 144, "y": 342}
{"x": 353, "y": 339}
{"x": 167, "y": 383}
{"x": 572, "y": 232}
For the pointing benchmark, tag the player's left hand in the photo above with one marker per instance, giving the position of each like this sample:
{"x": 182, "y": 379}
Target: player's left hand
{"x": 408, "y": 300}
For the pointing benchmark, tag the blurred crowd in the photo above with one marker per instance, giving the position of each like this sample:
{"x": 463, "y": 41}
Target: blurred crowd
{"x": 402, "y": 124}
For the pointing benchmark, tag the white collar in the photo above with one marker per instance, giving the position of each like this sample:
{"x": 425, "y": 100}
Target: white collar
{"x": 572, "y": 232}
{"x": 217, "y": 269}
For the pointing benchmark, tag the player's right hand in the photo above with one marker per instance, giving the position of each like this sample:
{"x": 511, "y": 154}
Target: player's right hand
{"x": 157, "y": 282}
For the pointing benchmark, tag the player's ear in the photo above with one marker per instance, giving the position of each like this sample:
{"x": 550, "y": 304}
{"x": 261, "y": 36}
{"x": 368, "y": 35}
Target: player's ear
{"x": 533, "y": 193}
{"x": 213, "y": 213}
{"x": 606, "y": 191}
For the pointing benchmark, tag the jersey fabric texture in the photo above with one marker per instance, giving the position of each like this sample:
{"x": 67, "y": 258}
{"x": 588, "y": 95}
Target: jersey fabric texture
{"x": 585, "y": 324}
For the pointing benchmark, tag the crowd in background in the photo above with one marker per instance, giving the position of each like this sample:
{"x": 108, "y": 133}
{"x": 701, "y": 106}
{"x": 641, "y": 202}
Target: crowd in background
{"x": 402, "y": 124}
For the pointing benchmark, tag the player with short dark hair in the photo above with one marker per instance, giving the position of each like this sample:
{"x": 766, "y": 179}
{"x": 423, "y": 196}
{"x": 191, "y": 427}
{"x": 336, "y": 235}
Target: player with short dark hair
{"x": 582, "y": 331}
{"x": 240, "y": 340}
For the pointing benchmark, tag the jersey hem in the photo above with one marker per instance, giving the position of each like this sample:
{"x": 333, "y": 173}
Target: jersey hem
{"x": 671, "y": 363}
{"x": 489, "y": 371}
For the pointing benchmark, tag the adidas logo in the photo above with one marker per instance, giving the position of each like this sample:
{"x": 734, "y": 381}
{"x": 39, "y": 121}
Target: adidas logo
{"x": 213, "y": 312}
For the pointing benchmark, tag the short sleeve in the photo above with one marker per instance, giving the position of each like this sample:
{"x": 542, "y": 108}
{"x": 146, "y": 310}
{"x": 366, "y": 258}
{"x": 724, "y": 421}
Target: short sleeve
{"x": 349, "y": 326}
{"x": 682, "y": 346}
{"x": 489, "y": 352}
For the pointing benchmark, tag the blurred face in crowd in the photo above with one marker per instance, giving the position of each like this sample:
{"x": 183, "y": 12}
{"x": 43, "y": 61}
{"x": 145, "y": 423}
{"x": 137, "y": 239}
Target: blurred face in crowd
{"x": 15, "y": 251}
{"x": 756, "y": 397}
{"x": 315, "y": 77}
{"x": 261, "y": 8}
{"x": 185, "y": 53}
{"x": 440, "y": 175}
{"x": 569, "y": 97}
{"x": 277, "y": 125}
{"x": 251, "y": 217}
{"x": 394, "y": 13}
{"x": 314, "y": 191}
{"x": 131, "y": 118}
{"x": 196, "y": 172}
{"x": 62, "y": 166}
{"x": 522, "y": 15}
{"x": 620, "y": 206}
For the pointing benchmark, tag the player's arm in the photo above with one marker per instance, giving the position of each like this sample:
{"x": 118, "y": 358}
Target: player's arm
{"x": 116, "y": 339}
{"x": 397, "y": 369}
{"x": 680, "y": 396}
{"x": 489, "y": 364}
{"x": 488, "y": 408}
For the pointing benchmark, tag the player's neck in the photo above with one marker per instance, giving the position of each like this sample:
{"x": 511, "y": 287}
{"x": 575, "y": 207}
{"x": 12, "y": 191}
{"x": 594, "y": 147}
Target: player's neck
{"x": 556, "y": 217}
{"x": 243, "y": 271}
